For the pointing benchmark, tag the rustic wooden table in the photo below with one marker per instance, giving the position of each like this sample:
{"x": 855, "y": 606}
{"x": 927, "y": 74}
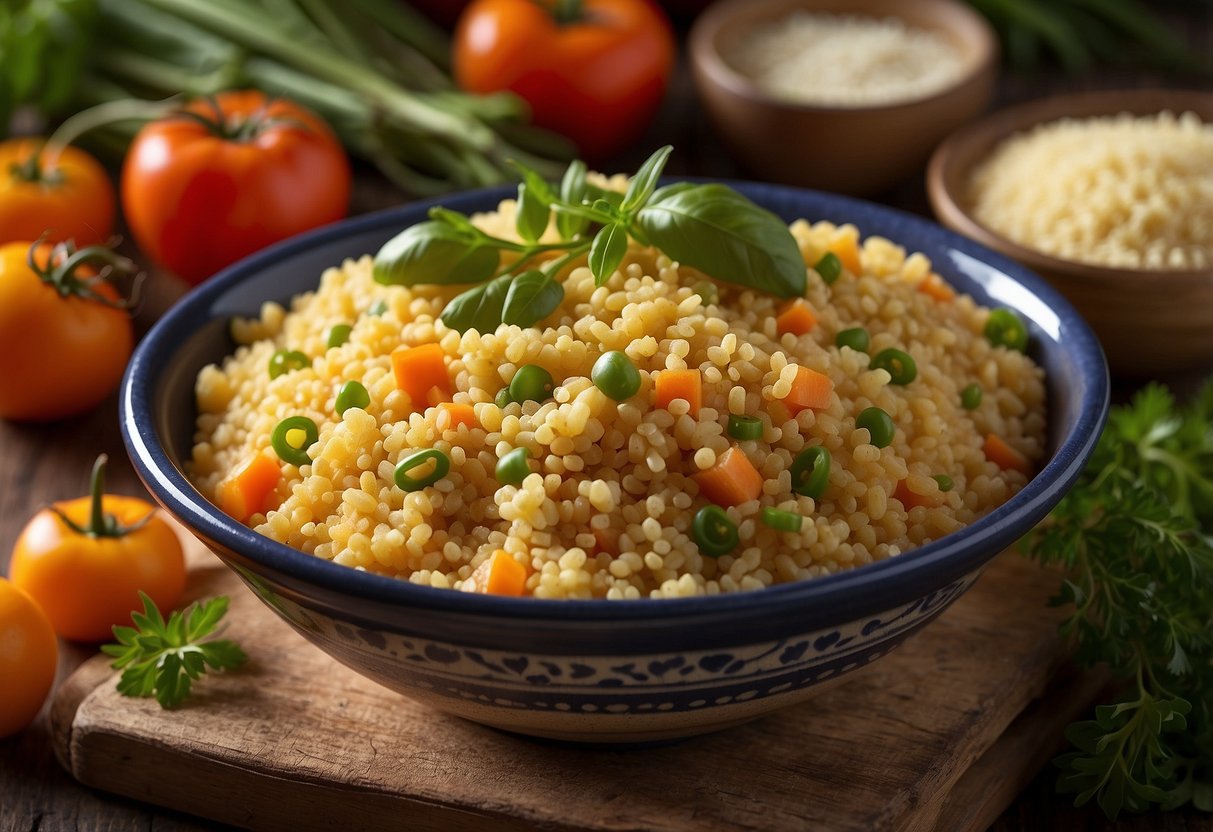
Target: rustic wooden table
{"x": 42, "y": 463}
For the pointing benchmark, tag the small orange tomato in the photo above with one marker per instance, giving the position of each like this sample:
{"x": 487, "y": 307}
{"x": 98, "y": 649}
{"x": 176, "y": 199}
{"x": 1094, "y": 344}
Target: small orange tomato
{"x": 28, "y": 655}
{"x": 85, "y": 561}
{"x": 65, "y": 338}
{"x": 70, "y": 198}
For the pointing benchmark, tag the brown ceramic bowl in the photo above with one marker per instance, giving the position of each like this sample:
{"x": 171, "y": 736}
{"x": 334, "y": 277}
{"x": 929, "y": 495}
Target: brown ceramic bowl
{"x": 1151, "y": 322}
{"x": 855, "y": 150}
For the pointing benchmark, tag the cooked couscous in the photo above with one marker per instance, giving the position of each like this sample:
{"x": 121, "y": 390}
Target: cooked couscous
{"x": 728, "y": 440}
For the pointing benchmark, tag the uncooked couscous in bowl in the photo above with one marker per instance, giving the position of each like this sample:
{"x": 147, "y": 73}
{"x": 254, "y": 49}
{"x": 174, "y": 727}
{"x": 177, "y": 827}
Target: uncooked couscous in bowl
{"x": 658, "y": 435}
{"x": 620, "y": 670}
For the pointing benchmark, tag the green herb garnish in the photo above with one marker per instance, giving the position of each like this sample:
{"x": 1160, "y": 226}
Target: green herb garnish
{"x": 1134, "y": 536}
{"x": 164, "y": 658}
{"x": 709, "y": 227}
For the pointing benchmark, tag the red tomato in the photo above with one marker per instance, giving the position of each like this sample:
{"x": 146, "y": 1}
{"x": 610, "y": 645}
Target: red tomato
{"x": 71, "y": 200}
{"x": 596, "y": 74}
{"x": 200, "y": 193}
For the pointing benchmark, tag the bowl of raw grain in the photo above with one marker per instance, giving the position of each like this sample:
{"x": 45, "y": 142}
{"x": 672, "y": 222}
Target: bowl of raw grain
{"x": 663, "y": 505}
{"x": 1108, "y": 195}
{"x": 850, "y": 97}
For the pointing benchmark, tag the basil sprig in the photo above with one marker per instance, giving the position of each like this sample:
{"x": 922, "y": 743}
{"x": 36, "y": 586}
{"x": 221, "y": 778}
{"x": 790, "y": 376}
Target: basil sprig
{"x": 709, "y": 227}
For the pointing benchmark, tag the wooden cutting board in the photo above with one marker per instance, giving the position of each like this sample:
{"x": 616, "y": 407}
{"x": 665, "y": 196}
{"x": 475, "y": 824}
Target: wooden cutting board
{"x": 939, "y": 735}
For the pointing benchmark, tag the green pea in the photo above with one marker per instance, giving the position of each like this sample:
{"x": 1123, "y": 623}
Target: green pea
{"x": 503, "y": 397}
{"x": 338, "y": 335}
{"x": 707, "y": 292}
{"x": 970, "y": 397}
{"x": 879, "y": 426}
{"x": 811, "y": 472}
{"x": 377, "y": 308}
{"x": 782, "y": 521}
{"x": 714, "y": 532}
{"x": 285, "y": 361}
{"x": 280, "y": 439}
{"x": 829, "y": 267}
{"x": 856, "y": 338}
{"x": 945, "y": 482}
{"x": 616, "y": 375}
{"x": 531, "y": 383}
{"x": 405, "y": 480}
{"x": 744, "y": 427}
{"x": 352, "y": 394}
{"x": 1005, "y": 329}
{"x": 514, "y": 467}
{"x": 900, "y": 365}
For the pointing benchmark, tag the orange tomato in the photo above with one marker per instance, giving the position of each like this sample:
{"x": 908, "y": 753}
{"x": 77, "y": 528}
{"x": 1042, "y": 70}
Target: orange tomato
{"x": 73, "y": 200}
{"x": 86, "y": 574}
{"x": 594, "y": 71}
{"x": 28, "y": 655}
{"x": 200, "y": 196}
{"x": 60, "y": 354}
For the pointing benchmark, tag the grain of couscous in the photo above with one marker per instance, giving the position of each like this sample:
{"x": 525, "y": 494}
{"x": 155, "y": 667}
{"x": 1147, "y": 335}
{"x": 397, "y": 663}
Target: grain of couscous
{"x": 732, "y": 398}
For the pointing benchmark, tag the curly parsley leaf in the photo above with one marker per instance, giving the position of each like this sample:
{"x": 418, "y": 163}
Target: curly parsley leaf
{"x": 164, "y": 658}
{"x": 1132, "y": 537}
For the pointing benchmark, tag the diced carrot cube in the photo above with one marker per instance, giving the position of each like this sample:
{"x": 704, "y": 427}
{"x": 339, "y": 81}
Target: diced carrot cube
{"x": 846, "y": 249}
{"x": 732, "y": 481}
{"x": 1004, "y": 456}
{"x": 912, "y": 499}
{"x": 810, "y": 390}
{"x": 245, "y": 492}
{"x": 499, "y": 575}
{"x": 679, "y": 384}
{"x": 450, "y": 416}
{"x": 421, "y": 372}
{"x": 797, "y": 318}
{"x": 937, "y": 287}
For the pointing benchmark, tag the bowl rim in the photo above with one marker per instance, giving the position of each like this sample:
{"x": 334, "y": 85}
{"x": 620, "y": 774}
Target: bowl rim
{"x": 954, "y": 555}
{"x": 704, "y": 54}
{"x": 960, "y": 152}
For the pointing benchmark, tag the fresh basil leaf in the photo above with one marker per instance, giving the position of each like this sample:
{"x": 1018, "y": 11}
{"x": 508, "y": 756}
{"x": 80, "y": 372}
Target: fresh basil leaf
{"x": 478, "y": 308}
{"x": 642, "y": 184}
{"x": 607, "y": 250}
{"x": 669, "y": 191}
{"x": 535, "y": 182}
{"x": 532, "y": 297}
{"x": 452, "y": 218}
{"x": 572, "y": 191}
{"x": 434, "y": 252}
{"x": 531, "y": 218}
{"x": 595, "y": 194}
{"x": 718, "y": 231}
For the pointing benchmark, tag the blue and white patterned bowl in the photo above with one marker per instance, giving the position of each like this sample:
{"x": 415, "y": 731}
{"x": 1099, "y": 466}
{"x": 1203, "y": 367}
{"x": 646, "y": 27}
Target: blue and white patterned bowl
{"x": 604, "y": 671}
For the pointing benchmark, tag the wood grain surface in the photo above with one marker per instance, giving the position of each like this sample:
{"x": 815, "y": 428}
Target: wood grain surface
{"x": 296, "y": 741}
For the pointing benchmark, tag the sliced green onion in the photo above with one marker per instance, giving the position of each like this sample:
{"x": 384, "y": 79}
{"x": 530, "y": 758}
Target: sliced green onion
{"x": 945, "y": 482}
{"x": 616, "y": 375}
{"x": 879, "y": 425}
{"x": 405, "y": 480}
{"x": 1005, "y": 329}
{"x": 531, "y": 383}
{"x": 714, "y": 532}
{"x": 811, "y": 472}
{"x": 707, "y": 292}
{"x": 970, "y": 397}
{"x": 829, "y": 267}
{"x": 352, "y": 394}
{"x": 745, "y": 427}
{"x": 294, "y": 453}
{"x": 782, "y": 521}
{"x": 377, "y": 308}
{"x": 338, "y": 335}
{"x": 514, "y": 467}
{"x": 856, "y": 338}
{"x": 900, "y": 365}
{"x": 285, "y": 361}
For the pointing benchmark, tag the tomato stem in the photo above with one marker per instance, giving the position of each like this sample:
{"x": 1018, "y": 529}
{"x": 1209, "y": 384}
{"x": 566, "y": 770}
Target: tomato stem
{"x": 100, "y": 524}
{"x": 64, "y": 259}
{"x": 568, "y": 11}
{"x": 82, "y": 122}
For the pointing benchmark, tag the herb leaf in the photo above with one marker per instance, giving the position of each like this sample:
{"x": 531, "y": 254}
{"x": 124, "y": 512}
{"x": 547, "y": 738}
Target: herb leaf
{"x": 163, "y": 658}
{"x": 533, "y": 296}
{"x": 720, "y": 232}
{"x": 572, "y": 191}
{"x": 478, "y": 308}
{"x": 607, "y": 251}
{"x": 532, "y": 215}
{"x": 436, "y": 252}
{"x": 642, "y": 184}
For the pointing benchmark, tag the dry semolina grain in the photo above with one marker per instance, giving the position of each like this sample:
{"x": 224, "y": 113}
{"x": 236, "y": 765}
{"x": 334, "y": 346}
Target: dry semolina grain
{"x": 1119, "y": 191}
{"x": 606, "y": 510}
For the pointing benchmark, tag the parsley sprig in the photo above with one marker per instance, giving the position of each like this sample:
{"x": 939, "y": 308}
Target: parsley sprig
{"x": 164, "y": 658}
{"x": 1133, "y": 536}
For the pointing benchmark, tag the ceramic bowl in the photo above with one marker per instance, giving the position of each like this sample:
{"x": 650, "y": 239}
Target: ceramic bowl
{"x": 853, "y": 150}
{"x": 603, "y": 671}
{"x": 1151, "y": 323}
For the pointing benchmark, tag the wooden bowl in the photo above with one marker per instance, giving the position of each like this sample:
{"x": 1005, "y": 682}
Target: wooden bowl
{"x": 1151, "y": 321}
{"x": 854, "y": 150}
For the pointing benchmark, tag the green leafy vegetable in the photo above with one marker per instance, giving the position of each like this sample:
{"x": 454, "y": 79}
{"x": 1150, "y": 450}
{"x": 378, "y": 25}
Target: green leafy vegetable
{"x": 164, "y": 658}
{"x": 43, "y": 46}
{"x": 1134, "y": 538}
{"x": 709, "y": 227}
